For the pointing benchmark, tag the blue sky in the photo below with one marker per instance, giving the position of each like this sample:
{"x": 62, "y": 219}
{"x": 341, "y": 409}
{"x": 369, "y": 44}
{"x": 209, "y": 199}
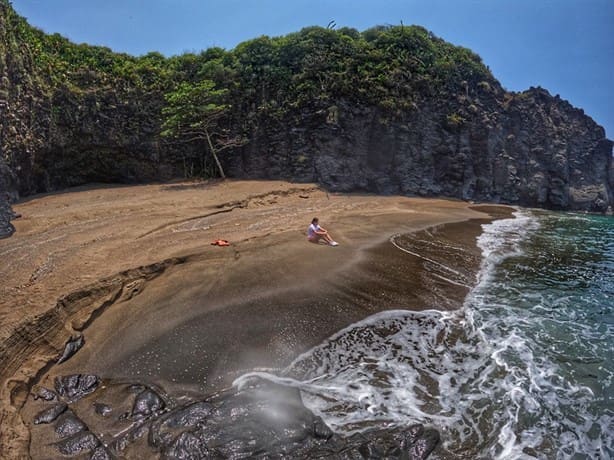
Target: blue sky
{"x": 565, "y": 46}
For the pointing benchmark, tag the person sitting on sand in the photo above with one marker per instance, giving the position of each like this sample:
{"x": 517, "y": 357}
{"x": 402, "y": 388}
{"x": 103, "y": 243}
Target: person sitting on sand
{"x": 315, "y": 233}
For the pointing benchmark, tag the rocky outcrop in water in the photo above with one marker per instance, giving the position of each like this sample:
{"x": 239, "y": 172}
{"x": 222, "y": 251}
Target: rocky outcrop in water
{"x": 260, "y": 420}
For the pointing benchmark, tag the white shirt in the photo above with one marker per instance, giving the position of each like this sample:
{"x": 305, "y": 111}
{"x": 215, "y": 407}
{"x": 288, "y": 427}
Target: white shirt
{"x": 311, "y": 231}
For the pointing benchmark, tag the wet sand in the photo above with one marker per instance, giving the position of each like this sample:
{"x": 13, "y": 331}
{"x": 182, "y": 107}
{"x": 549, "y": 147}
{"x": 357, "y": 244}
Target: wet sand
{"x": 209, "y": 313}
{"x": 194, "y": 330}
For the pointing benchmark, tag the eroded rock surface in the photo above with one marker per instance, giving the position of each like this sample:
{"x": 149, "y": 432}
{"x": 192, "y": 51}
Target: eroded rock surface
{"x": 260, "y": 420}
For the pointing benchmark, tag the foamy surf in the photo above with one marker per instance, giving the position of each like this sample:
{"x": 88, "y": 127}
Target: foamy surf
{"x": 484, "y": 375}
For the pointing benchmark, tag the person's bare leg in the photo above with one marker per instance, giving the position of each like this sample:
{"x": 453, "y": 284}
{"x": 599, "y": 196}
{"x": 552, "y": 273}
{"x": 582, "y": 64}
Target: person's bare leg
{"x": 330, "y": 240}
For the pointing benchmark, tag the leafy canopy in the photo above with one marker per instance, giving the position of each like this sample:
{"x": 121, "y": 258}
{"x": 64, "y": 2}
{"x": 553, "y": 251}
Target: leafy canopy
{"x": 193, "y": 110}
{"x": 198, "y": 97}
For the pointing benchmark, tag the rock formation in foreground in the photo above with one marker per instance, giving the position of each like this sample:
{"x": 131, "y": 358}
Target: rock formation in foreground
{"x": 391, "y": 110}
{"x": 81, "y": 416}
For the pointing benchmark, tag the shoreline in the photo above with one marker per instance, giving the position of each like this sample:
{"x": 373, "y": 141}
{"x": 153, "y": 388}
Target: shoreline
{"x": 232, "y": 334}
{"x": 355, "y": 224}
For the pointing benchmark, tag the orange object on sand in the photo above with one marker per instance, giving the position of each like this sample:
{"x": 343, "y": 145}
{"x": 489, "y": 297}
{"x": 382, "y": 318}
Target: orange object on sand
{"x": 220, "y": 243}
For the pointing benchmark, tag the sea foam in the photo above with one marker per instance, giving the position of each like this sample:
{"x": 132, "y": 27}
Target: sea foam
{"x": 479, "y": 374}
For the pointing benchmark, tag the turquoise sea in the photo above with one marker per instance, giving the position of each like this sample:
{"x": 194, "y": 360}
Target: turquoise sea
{"x": 523, "y": 370}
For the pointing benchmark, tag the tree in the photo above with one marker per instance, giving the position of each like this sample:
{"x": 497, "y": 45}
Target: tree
{"x": 193, "y": 113}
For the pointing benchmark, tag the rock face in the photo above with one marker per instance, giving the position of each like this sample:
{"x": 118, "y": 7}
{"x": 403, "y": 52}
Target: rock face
{"x": 529, "y": 148}
{"x": 260, "y": 420}
{"x": 8, "y": 193}
{"x": 55, "y": 135}
{"x": 480, "y": 143}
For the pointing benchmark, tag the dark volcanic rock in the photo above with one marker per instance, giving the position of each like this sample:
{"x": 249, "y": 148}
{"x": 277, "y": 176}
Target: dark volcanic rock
{"x": 76, "y": 386}
{"x": 527, "y": 148}
{"x": 69, "y": 425}
{"x": 126, "y": 439}
{"x": 270, "y": 421}
{"x": 423, "y": 446}
{"x": 8, "y": 193}
{"x": 260, "y": 420}
{"x": 187, "y": 445}
{"x": 101, "y": 454}
{"x": 167, "y": 427}
{"x": 321, "y": 429}
{"x": 78, "y": 444}
{"x": 50, "y": 414}
{"x": 57, "y": 134}
{"x": 6, "y": 214}
{"x": 72, "y": 346}
{"x": 146, "y": 403}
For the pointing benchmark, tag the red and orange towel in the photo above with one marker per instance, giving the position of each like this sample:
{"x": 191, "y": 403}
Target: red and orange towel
{"x": 220, "y": 243}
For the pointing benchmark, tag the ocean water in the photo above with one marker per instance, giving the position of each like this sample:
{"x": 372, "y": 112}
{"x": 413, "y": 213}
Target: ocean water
{"x": 524, "y": 369}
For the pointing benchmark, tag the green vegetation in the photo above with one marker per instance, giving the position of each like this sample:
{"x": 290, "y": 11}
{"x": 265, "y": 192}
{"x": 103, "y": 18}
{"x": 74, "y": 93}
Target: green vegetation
{"x": 454, "y": 120}
{"x": 226, "y": 95}
{"x": 193, "y": 113}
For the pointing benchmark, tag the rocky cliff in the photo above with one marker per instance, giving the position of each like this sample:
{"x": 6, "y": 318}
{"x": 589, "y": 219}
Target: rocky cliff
{"x": 527, "y": 148}
{"x": 428, "y": 124}
{"x": 7, "y": 195}
{"x": 72, "y": 126}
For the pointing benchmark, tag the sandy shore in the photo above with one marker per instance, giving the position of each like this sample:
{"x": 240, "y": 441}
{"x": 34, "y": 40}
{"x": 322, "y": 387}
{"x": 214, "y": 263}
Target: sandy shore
{"x": 189, "y": 315}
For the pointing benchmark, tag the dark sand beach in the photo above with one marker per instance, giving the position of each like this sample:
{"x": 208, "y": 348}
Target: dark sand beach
{"x": 156, "y": 303}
